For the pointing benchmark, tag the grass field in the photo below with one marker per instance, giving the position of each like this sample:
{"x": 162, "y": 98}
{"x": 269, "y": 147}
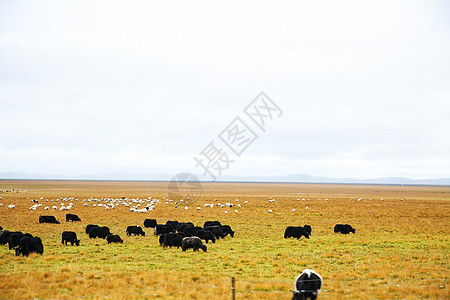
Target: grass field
{"x": 400, "y": 250}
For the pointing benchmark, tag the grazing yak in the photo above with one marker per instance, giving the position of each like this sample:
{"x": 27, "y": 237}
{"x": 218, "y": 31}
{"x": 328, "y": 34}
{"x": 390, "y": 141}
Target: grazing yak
{"x": 160, "y": 229}
{"x": 114, "y": 238}
{"x": 216, "y": 230}
{"x": 343, "y": 228}
{"x": 4, "y": 236}
{"x": 48, "y": 219}
{"x": 29, "y": 245}
{"x": 226, "y": 229}
{"x": 70, "y": 237}
{"x": 173, "y": 239}
{"x": 150, "y": 223}
{"x": 206, "y": 235}
{"x": 89, "y": 227}
{"x": 295, "y": 232}
{"x": 193, "y": 242}
{"x": 15, "y": 237}
{"x": 182, "y": 226}
{"x": 192, "y": 231}
{"x": 101, "y": 232}
{"x": 308, "y": 229}
{"x": 135, "y": 230}
{"x": 307, "y": 285}
{"x": 72, "y": 217}
{"x": 174, "y": 224}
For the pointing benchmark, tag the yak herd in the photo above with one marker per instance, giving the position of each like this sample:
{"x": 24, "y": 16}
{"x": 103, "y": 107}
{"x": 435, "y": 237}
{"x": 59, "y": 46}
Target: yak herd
{"x": 188, "y": 236}
{"x": 171, "y": 234}
{"x": 22, "y": 243}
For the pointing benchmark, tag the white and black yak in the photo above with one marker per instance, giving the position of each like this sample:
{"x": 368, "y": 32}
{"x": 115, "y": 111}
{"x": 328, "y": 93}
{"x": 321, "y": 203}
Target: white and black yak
{"x": 307, "y": 285}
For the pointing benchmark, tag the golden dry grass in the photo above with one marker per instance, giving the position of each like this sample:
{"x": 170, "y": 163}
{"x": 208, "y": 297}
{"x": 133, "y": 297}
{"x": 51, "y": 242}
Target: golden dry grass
{"x": 400, "y": 249}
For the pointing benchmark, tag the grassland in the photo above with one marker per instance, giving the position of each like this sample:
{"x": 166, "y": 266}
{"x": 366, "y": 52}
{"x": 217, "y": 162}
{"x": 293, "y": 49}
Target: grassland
{"x": 400, "y": 250}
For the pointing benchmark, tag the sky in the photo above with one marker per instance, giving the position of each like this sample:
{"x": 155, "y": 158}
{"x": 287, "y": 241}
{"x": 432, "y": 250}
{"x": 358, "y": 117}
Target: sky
{"x": 100, "y": 87}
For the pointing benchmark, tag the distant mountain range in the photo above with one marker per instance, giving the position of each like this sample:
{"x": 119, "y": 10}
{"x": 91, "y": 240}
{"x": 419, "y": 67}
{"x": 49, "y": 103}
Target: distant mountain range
{"x": 301, "y": 178}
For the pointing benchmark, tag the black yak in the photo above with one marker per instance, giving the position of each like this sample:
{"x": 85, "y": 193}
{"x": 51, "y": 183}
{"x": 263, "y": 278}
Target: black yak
{"x": 193, "y": 242}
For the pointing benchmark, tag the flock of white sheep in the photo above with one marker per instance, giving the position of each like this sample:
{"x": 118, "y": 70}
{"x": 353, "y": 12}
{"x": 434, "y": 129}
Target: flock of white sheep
{"x": 137, "y": 205}
{"x": 144, "y": 205}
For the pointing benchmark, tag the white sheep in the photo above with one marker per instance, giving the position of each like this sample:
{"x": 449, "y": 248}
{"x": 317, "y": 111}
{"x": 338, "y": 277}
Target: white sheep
{"x": 11, "y": 206}
{"x": 270, "y": 211}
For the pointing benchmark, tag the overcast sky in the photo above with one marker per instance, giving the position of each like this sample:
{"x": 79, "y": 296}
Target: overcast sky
{"x": 94, "y": 87}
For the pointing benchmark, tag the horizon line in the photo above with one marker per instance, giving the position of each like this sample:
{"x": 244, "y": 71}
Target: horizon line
{"x": 233, "y": 181}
